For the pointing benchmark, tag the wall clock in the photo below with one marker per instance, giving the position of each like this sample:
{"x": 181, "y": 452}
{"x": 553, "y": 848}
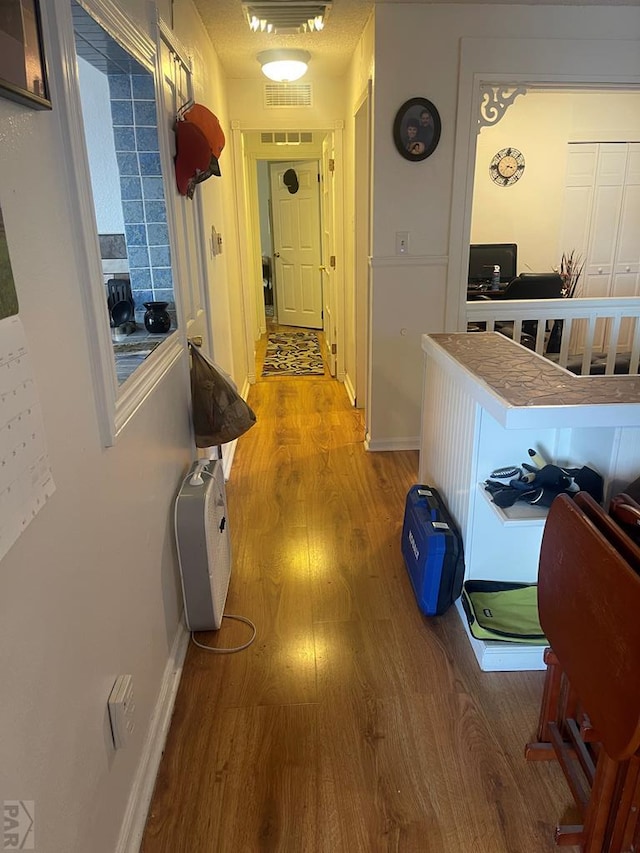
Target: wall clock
{"x": 506, "y": 167}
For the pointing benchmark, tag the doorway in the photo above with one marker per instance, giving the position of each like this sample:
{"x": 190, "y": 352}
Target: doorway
{"x": 362, "y": 250}
{"x": 255, "y": 150}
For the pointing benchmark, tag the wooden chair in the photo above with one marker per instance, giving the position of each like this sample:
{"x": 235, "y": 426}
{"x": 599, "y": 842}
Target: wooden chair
{"x": 589, "y": 603}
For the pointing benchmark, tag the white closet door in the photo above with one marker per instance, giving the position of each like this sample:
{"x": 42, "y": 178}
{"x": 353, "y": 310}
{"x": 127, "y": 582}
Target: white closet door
{"x": 580, "y": 181}
{"x": 601, "y": 221}
{"x": 626, "y": 268}
{"x": 627, "y": 255}
{"x": 605, "y": 216}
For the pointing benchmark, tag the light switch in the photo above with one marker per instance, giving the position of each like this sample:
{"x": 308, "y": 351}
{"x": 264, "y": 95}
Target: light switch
{"x": 402, "y": 242}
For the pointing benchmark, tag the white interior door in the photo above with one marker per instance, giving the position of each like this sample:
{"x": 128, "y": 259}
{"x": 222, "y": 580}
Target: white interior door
{"x": 295, "y": 199}
{"x": 328, "y": 254}
{"x": 189, "y": 262}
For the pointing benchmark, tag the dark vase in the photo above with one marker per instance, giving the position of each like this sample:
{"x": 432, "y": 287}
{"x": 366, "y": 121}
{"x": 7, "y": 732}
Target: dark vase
{"x": 156, "y": 318}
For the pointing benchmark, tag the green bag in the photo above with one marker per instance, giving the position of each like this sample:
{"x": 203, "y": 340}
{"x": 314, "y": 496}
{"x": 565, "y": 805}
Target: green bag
{"x": 499, "y": 610}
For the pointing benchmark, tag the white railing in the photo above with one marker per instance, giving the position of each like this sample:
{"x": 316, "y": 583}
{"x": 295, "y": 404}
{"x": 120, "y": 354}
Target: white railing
{"x": 583, "y": 335}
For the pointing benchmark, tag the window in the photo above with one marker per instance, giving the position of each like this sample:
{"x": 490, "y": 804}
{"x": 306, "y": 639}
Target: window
{"x": 117, "y": 165}
{"x": 121, "y": 132}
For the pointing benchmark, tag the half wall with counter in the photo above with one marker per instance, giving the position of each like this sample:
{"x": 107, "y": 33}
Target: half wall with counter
{"x": 486, "y": 400}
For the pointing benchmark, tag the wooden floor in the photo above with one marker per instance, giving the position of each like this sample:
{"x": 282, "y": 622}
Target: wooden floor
{"x": 353, "y": 724}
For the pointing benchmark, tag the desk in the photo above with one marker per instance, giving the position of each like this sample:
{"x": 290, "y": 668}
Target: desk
{"x": 485, "y": 292}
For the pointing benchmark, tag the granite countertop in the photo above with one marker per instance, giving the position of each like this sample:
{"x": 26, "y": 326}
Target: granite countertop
{"x": 131, "y": 350}
{"x": 523, "y": 378}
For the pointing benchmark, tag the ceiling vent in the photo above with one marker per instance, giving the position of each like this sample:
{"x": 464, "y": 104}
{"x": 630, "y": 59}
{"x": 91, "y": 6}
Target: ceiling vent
{"x": 287, "y": 95}
{"x": 286, "y": 16}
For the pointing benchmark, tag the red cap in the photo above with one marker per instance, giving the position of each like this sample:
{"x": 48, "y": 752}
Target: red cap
{"x": 208, "y": 123}
{"x": 193, "y": 156}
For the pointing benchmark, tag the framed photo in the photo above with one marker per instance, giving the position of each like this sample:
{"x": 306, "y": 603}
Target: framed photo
{"x": 23, "y": 72}
{"x": 416, "y": 129}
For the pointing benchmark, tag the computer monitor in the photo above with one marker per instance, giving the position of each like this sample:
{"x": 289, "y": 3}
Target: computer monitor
{"x": 484, "y": 256}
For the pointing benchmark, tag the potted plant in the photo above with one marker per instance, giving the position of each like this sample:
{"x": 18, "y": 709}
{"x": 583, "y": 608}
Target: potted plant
{"x": 570, "y": 270}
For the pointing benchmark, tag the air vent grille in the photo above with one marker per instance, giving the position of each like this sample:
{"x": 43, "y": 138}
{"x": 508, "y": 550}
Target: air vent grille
{"x": 287, "y": 138}
{"x": 286, "y": 16}
{"x": 287, "y": 95}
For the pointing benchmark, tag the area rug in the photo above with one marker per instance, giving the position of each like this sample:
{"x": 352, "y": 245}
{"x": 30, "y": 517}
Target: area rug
{"x": 293, "y": 354}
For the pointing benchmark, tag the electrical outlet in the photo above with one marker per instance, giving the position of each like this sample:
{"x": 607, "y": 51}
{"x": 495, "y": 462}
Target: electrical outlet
{"x": 402, "y": 242}
{"x": 122, "y": 710}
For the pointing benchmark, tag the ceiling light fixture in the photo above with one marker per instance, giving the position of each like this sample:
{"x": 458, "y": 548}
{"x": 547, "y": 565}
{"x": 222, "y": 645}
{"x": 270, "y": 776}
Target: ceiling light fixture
{"x": 284, "y": 66}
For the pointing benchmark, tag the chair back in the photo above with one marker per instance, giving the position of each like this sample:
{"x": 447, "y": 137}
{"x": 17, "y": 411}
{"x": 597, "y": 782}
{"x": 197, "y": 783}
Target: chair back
{"x": 534, "y": 286}
{"x": 589, "y": 601}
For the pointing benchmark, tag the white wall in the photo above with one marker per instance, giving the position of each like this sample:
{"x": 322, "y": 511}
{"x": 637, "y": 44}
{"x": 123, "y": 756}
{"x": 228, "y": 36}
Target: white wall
{"x": 91, "y": 589}
{"x": 105, "y": 175}
{"x": 418, "y": 52}
{"x": 246, "y": 105}
{"x": 540, "y": 125}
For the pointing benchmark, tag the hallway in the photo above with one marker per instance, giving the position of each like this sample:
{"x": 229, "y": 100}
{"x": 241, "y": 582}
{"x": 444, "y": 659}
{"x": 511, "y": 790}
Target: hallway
{"x": 352, "y": 724}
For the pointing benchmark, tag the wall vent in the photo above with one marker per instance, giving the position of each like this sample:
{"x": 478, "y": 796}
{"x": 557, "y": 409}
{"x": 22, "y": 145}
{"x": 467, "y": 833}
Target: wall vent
{"x": 281, "y": 137}
{"x": 287, "y": 95}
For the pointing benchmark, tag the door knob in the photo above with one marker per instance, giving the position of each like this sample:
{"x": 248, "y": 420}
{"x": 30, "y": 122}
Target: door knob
{"x": 276, "y": 254}
{"x": 322, "y": 268}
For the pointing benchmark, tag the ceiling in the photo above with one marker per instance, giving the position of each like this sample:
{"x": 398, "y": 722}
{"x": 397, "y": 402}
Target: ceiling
{"x": 331, "y": 49}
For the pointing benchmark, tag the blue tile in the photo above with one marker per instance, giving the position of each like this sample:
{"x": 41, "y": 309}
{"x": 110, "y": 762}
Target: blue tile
{"x": 145, "y": 113}
{"x": 139, "y": 257}
{"x": 143, "y": 88}
{"x": 163, "y": 295}
{"x": 152, "y": 188}
{"x": 122, "y": 113}
{"x": 141, "y": 296}
{"x": 119, "y": 86}
{"x": 158, "y": 235}
{"x": 128, "y": 163}
{"x": 147, "y": 138}
{"x": 162, "y": 278}
{"x": 130, "y": 188}
{"x": 140, "y": 279}
{"x": 160, "y": 256}
{"x": 150, "y": 164}
{"x": 136, "y": 235}
{"x": 133, "y": 211}
{"x": 124, "y": 138}
{"x": 155, "y": 211}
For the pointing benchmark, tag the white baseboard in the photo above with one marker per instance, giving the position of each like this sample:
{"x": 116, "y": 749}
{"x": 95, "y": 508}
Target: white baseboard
{"x": 133, "y": 824}
{"x": 502, "y": 657}
{"x": 406, "y": 443}
{"x": 351, "y": 391}
{"x": 227, "y": 457}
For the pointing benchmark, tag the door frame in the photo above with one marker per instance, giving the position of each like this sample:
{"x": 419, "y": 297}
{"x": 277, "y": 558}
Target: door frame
{"x": 361, "y": 259}
{"x": 248, "y": 221}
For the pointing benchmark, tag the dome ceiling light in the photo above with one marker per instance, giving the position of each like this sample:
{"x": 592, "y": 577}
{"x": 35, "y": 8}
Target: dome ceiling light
{"x": 284, "y": 66}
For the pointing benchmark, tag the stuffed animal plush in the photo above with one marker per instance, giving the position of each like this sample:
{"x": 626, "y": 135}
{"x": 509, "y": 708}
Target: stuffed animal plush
{"x": 539, "y": 486}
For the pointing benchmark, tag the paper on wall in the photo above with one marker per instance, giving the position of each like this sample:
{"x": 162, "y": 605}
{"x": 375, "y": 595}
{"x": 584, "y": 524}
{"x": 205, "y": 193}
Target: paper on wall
{"x": 25, "y": 476}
